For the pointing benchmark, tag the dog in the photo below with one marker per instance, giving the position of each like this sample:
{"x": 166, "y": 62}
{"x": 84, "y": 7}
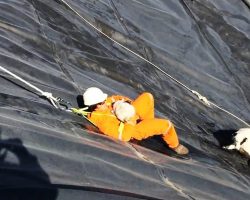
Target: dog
{"x": 241, "y": 142}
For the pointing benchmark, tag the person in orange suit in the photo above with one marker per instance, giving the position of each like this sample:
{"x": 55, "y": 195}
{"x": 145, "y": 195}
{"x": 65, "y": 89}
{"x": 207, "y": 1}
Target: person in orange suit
{"x": 123, "y": 118}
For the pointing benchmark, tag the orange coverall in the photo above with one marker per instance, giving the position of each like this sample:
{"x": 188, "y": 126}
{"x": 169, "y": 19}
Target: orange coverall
{"x": 143, "y": 125}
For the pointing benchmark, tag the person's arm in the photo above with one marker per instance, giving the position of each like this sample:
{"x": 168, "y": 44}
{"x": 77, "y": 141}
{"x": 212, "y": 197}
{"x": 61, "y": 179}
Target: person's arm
{"x": 106, "y": 122}
{"x": 119, "y": 97}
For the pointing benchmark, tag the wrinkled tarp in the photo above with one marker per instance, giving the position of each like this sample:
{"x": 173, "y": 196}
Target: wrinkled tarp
{"x": 47, "y": 153}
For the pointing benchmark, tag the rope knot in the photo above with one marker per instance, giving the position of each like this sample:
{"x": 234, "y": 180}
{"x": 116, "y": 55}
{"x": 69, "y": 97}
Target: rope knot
{"x": 202, "y": 98}
{"x": 47, "y": 95}
{"x": 52, "y": 99}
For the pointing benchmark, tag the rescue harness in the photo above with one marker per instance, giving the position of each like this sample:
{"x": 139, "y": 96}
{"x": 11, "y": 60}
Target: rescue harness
{"x": 82, "y": 112}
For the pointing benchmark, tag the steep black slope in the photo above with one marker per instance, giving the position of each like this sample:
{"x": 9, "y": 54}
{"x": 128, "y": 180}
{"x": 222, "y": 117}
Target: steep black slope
{"x": 203, "y": 44}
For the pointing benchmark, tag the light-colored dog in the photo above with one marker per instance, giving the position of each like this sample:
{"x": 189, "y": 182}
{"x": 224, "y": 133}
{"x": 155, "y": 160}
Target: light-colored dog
{"x": 241, "y": 142}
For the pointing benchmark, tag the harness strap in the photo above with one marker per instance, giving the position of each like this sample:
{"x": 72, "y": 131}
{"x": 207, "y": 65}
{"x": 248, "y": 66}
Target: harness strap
{"x": 120, "y": 130}
{"x": 81, "y": 111}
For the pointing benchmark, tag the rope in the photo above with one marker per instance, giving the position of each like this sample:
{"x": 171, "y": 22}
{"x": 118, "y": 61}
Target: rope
{"x": 224, "y": 110}
{"x": 81, "y": 111}
{"x": 49, "y": 96}
{"x": 124, "y": 47}
{"x": 200, "y": 97}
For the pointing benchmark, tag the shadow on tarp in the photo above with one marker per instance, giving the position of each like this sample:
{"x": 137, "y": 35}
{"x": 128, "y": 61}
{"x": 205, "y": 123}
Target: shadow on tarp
{"x": 21, "y": 175}
{"x": 80, "y": 102}
{"x": 157, "y": 144}
{"x": 225, "y": 137}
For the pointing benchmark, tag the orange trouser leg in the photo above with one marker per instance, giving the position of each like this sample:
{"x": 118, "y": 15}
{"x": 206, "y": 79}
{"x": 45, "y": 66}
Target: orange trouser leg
{"x": 144, "y": 106}
{"x": 150, "y": 127}
{"x": 171, "y": 137}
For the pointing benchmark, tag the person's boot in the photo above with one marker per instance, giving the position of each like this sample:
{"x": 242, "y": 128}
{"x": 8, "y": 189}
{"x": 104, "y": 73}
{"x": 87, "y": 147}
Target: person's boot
{"x": 181, "y": 150}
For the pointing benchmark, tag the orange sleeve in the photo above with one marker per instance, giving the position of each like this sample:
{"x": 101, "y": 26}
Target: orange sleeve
{"x": 107, "y": 123}
{"x": 119, "y": 97}
{"x": 94, "y": 118}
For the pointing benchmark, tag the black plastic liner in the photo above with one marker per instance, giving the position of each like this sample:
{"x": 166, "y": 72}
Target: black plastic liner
{"x": 46, "y": 153}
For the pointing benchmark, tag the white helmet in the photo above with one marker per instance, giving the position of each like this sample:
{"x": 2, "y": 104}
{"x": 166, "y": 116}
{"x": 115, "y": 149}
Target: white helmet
{"x": 93, "y": 95}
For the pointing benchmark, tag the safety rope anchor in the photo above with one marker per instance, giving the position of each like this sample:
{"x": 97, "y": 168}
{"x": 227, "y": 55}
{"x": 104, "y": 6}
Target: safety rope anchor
{"x": 57, "y": 102}
{"x": 64, "y": 105}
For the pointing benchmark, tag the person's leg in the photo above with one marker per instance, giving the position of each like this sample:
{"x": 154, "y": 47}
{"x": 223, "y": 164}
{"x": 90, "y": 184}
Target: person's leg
{"x": 144, "y": 106}
{"x": 171, "y": 137}
{"x": 151, "y": 127}
{"x": 173, "y": 142}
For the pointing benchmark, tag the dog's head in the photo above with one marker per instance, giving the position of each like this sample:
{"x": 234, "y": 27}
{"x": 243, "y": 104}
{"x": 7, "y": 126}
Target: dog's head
{"x": 241, "y": 137}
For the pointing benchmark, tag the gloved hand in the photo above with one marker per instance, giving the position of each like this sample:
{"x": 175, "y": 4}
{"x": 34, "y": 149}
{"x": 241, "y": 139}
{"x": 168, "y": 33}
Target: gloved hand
{"x": 123, "y": 110}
